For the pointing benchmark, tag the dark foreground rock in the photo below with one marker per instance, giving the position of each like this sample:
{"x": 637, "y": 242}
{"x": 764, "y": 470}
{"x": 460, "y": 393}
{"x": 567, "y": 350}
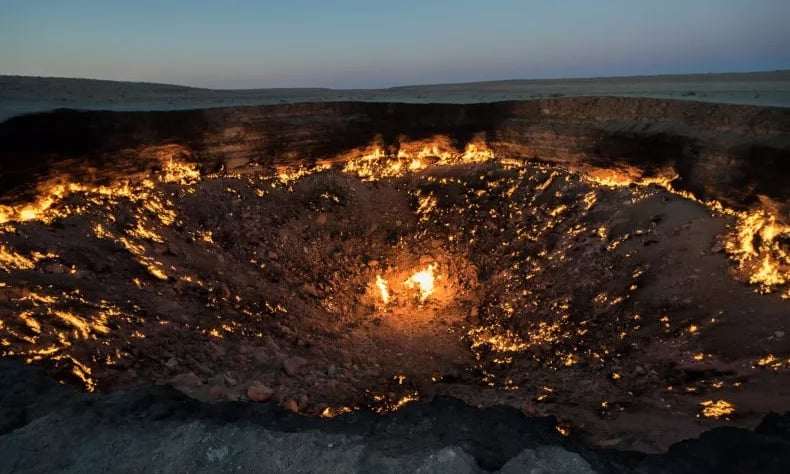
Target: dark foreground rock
{"x": 47, "y": 427}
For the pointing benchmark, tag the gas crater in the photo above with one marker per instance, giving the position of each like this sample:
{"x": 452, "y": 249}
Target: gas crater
{"x": 375, "y": 277}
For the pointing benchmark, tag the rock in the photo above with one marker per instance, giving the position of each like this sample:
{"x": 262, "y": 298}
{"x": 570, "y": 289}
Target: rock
{"x": 303, "y": 402}
{"x": 273, "y": 346}
{"x": 717, "y": 248}
{"x": 230, "y": 380}
{"x": 311, "y": 290}
{"x": 258, "y": 392}
{"x": 321, "y": 219}
{"x": 216, "y": 393}
{"x": 639, "y": 370}
{"x": 292, "y": 405}
{"x": 188, "y": 379}
{"x": 216, "y": 455}
{"x": 373, "y": 263}
{"x": 217, "y": 350}
{"x": 546, "y": 459}
{"x": 261, "y": 355}
{"x": 779, "y": 334}
{"x": 610, "y": 443}
{"x": 293, "y": 365}
{"x": 171, "y": 363}
{"x": 57, "y": 268}
{"x": 273, "y": 255}
{"x": 474, "y": 315}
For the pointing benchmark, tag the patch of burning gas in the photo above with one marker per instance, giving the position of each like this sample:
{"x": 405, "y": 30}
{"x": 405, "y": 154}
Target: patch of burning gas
{"x": 758, "y": 244}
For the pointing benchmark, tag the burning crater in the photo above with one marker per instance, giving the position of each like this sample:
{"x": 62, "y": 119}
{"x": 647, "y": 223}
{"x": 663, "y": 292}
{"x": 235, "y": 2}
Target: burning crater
{"x": 377, "y": 277}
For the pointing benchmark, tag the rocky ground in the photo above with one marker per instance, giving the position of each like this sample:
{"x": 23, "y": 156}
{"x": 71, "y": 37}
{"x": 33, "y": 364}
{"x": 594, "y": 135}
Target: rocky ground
{"x": 48, "y": 427}
{"x": 614, "y": 310}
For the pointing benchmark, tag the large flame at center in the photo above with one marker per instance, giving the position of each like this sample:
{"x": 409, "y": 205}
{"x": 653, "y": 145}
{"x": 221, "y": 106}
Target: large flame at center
{"x": 423, "y": 280}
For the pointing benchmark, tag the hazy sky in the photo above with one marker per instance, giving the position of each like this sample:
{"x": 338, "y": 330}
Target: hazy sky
{"x": 370, "y": 43}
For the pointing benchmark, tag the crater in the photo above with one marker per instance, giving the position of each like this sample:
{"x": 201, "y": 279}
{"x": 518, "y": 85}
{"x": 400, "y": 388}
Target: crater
{"x": 613, "y": 297}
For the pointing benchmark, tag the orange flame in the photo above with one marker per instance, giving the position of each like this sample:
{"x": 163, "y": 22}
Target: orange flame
{"x": 423, "y": 281}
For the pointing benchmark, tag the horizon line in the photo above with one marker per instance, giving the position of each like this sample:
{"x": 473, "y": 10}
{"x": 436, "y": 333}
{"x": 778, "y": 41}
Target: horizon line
{"x": 578, "y": 78}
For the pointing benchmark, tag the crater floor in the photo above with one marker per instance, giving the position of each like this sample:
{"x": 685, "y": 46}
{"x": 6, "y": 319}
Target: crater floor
{"x": 616, "y": 309}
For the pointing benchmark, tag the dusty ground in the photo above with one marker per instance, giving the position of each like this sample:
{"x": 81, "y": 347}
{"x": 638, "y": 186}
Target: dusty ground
{"x": 20, "y": 95}
{"x": 614, "y": 309}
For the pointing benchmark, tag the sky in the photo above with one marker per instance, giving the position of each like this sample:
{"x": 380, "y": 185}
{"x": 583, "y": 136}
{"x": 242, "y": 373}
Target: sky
{"x": 369, "y": 44}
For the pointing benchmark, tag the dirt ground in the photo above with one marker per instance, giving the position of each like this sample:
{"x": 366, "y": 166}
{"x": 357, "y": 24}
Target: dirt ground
{"x": 616, "y": 309}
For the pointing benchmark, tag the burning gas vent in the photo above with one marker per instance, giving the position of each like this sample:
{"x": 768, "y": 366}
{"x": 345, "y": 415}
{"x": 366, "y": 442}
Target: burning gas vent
{"x": 377, "y": 278}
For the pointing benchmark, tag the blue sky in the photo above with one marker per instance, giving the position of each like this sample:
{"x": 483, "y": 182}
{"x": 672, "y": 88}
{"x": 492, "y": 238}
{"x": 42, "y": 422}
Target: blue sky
{"x": 344, "y": 44}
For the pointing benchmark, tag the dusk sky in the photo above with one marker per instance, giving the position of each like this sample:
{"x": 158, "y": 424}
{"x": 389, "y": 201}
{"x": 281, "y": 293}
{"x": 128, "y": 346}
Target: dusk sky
{"x": 345, "y": 44}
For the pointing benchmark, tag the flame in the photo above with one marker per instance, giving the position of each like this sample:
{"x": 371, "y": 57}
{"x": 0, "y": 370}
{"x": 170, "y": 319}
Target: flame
{"x": 755, "y": 245}
{"x": 376, "y": 163}
{"x": 381, "y": 283}
{"x": 331, "y": 412}
{"x": 423, "y": 280}
{"x": 716, "y": 409}
{"x": 179, "y": 172}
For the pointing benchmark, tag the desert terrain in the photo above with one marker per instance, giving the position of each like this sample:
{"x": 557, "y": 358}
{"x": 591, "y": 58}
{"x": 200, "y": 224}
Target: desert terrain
{"x": 20, "y": 95}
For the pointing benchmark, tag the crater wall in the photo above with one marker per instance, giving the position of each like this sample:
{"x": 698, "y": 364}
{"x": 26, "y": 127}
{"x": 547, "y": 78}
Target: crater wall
{"x": 729, "y": 153}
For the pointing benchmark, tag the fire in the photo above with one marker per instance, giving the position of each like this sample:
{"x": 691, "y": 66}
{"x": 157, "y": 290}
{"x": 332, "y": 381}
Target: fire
{"x": 423, "y": 280}
{"x": 755, "y": 245}
{"x": 375, "y": 163}
{"x": 716, "y": 409}
{"x": 381, "y": 283}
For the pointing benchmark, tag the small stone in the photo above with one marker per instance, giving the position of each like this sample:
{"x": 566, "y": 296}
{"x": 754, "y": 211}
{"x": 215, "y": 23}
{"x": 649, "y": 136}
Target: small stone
{"x": 217, "y": 350}
{"x": 258, "y": 392}
{"x": 261, "y": 355}
{"x": 373, "y": 263}
{"x": 273, "y": 346}
{"x": 717, "y": 248}
{"x": 188, "y": 379}
{"x": 779, "y": 334}
{"x": 171, "y": 363}
{"x": 321, "y": 220}
{"x": 293, "y": 365}
{"x": 610, "y": 443}
{"x": 273, "y": 255}
{"x": 474, "y": 314}
{"x": 639, "y": 370}
{"x": 303, "y": 402}
{"x": 216, "y": 393}
{"x": 230, "y": 380}
{"x": 292, "y": 405}
{"x": 311, "y": 290}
